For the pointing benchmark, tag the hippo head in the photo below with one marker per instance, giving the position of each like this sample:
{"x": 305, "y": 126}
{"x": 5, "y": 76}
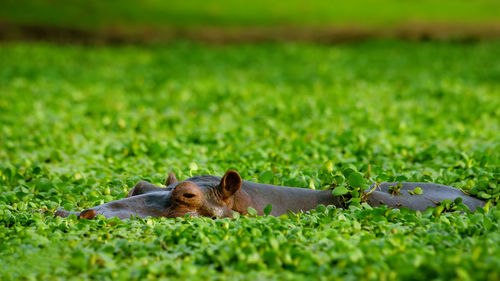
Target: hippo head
{"x": 217, "y": 197}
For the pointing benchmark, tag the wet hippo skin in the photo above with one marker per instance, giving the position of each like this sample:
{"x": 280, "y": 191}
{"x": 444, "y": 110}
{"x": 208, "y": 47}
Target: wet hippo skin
{"x": 213, "y": 196}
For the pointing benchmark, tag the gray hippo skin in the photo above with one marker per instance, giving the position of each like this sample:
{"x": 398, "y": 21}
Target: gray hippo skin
{"x": 212, "y": 196}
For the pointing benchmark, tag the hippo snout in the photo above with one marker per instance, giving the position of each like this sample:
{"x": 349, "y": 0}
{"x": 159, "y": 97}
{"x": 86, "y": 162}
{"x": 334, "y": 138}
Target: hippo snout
{"x": 63, "y": 213}
{"x": 151, "y": 204}
{"x": 86, "y": 214}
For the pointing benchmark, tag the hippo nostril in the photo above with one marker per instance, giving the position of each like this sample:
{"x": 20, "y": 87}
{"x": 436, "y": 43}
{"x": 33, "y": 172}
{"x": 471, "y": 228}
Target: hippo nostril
{"x": 188, "y": 195}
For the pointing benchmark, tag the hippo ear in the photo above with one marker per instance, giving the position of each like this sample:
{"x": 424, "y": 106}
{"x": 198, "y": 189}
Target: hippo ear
{"x": 230, "y": 183}
{"x": 171, "y": 179}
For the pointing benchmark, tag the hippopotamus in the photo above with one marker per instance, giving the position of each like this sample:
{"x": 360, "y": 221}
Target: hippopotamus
{"x": 219, "y": 197}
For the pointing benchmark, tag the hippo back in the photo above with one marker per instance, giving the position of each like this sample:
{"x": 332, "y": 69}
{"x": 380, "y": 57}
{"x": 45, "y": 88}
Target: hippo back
{"x": 431, "y": 194}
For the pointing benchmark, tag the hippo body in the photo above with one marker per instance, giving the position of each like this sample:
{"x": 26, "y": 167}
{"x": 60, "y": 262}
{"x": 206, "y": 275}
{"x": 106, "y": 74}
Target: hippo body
{"x": 214, "y": 196}
{"x": 431, "y": 195}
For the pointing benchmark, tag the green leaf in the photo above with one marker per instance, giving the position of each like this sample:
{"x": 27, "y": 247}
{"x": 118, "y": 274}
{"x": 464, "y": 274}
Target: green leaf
{"x": 339, "y": 179}
{"x": 355, "y": 202}
{"x": 236, "y": 215}
{"x": 311, "y": 184}
{"x": 329, "y": 166}
{"x": 37, "y": 170}
{"x": 268, "y": 209}
{"x": 266, "y": 177}
{"x": 339, "y": 190}
{"x": 355, "y": 179}
{"x": 347, "y": 171}
{"x": 193, "y": 167}
{"x": 438, "y": 210}
{"x": 484, "y": 195}
{"x": 251, "y": 212}
{"x": 321, "y": 208}
{"x": 366, "y": 206}
{"x": 355, "y": 193}
{"x": 415, "y": 191}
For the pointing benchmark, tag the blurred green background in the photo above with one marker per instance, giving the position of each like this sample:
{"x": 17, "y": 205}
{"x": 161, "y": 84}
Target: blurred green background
{"x": 151, "y": 15}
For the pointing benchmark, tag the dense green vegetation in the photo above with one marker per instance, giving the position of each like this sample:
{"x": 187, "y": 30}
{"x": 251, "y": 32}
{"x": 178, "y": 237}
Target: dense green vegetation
{"x": 81, "y": 125}
{"x": 136, "y": 14}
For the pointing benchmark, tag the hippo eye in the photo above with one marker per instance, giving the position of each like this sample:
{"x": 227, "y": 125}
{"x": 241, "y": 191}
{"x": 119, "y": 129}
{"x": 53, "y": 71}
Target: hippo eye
{"x": 188, "y": 195}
